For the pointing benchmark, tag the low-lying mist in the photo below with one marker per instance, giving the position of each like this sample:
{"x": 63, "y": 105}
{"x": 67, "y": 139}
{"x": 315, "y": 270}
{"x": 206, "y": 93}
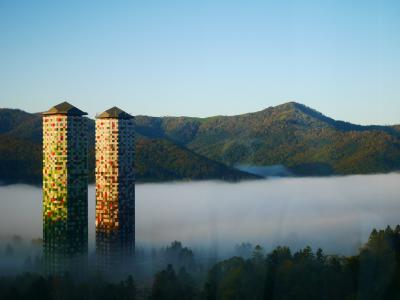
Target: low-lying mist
{"x": 334, "y": 213}
{"x": 266, "y": 171}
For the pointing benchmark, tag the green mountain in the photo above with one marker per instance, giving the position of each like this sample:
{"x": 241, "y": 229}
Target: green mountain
{"x": 160, "y": 160}
{"x": 293, "y": 135}
{"x": 173, "y": 148}
{"x": 156, "y": 159}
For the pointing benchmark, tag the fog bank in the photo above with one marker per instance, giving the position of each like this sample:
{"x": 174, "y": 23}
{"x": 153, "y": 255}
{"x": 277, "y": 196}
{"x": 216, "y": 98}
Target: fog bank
{"x": 335, "y": 213}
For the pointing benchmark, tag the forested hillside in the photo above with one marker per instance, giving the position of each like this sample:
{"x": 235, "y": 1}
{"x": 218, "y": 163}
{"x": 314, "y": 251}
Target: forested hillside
{"x": 291, "y": 134}
{"x": 173, "y": 148}
{"x": 156, "y": 159}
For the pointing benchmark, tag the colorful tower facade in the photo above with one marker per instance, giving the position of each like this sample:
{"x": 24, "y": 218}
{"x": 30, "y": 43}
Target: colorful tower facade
{"x": 115, "y": 190}
{"x": 65, "y": 189}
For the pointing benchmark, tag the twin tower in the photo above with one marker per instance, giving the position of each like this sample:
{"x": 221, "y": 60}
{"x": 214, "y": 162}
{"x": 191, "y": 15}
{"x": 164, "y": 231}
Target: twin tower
{"x": 65, "y": 189}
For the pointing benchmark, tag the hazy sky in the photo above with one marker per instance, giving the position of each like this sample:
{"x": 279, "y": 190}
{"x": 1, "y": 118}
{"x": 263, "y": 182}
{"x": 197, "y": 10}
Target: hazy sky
{"x": 203, "y": 58}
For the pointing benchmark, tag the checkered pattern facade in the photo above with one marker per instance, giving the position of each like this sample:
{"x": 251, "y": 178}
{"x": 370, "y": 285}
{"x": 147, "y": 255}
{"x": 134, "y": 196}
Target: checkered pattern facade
{"x": 65, "y": 193}
{"x": 115, "y": 193}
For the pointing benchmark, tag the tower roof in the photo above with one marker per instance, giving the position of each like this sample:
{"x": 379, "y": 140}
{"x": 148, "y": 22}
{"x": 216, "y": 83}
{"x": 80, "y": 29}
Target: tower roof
{"x": 114, "y": 113}
{"x": 65, "y": 109}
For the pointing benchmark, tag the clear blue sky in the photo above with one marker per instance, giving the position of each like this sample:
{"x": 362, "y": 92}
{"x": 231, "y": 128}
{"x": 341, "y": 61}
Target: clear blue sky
{"x": 203, "y": 58}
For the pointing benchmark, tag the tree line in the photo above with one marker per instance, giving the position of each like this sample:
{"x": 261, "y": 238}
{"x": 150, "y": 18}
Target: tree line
{"x": 374, "y": 273}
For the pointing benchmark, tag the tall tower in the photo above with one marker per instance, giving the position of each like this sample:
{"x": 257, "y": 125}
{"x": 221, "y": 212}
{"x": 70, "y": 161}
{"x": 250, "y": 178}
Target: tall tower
{"x": 65, "y": 189}
{"x": 115, "y": 190}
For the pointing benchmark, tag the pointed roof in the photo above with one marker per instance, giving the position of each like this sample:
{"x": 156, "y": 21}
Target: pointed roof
{"x": 114, "y": 113}
{"x": 65, "y": 108}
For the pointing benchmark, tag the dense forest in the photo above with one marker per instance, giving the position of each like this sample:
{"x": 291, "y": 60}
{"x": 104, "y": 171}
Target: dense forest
{"x": 374, "y": 273}
{"x": 182, "y": 148}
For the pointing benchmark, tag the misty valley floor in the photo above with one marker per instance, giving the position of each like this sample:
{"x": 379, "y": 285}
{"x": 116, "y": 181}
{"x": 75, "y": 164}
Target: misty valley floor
{"x": 334, "y": 213}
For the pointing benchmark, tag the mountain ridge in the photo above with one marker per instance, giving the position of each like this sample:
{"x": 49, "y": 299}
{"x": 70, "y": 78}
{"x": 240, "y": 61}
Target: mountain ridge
{"x": 291, "y": 134}
{"x": 161, "y": 126}
{"x": 21, "y": 155}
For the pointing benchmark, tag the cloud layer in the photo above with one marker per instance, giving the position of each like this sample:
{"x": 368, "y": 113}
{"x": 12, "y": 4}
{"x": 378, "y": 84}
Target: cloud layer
{"x": 335, "y": 213}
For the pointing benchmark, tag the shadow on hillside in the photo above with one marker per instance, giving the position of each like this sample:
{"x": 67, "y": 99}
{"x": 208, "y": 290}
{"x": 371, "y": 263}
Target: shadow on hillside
{"x": 313, "y": 169}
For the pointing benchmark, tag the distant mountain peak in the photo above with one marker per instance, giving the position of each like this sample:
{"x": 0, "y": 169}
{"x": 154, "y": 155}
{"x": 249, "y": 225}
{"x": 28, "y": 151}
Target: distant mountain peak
{"x": 292, "y": 104}
{"x": 289, "y": 106}
{"x": 297, "y": 105}
{"x": 306, "y": 110}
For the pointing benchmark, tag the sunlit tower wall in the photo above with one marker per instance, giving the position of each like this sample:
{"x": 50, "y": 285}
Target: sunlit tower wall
{"x": 115, "y": 190}
{"x": 65, "y": 190}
